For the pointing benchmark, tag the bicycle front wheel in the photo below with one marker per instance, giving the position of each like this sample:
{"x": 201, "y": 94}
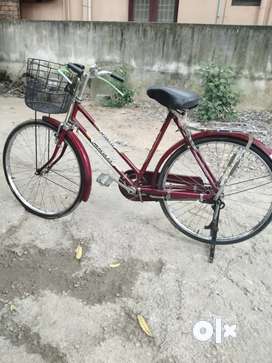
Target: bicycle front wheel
{"x": 247, "y": 193}
{"x": 54, "y": 192}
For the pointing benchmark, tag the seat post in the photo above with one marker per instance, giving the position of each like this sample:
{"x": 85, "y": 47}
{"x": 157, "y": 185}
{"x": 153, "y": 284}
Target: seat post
{"x": 181, "y": 120}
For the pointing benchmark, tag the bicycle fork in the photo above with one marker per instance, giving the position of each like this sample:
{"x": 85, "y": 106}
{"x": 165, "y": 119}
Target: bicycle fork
{"x": 60, "y": 135}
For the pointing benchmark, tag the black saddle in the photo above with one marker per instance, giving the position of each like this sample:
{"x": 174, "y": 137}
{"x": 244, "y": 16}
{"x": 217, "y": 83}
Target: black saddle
{"x": 173, "y": 98}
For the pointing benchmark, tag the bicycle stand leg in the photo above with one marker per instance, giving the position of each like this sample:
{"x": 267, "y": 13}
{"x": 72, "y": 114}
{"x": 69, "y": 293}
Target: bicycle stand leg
{"x": 213, "y": 226}
{"x": 212, "y": 251}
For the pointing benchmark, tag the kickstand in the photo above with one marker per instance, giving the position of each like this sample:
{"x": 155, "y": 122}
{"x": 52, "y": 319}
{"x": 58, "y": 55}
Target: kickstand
{"x": 213, "y": 226}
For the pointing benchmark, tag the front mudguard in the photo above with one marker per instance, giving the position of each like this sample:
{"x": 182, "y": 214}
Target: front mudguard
{"x": 87, "y": 171}
{"x": 199, "y": 135}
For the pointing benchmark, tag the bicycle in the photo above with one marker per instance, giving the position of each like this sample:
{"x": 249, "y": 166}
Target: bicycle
{"x": 206, "y": 183}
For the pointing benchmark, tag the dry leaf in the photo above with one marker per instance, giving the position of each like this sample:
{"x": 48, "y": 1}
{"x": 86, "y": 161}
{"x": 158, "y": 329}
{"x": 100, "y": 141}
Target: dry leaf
{"x": 78, "y": 252}
{"x": 143, "y": 325}
{"x": 12, "y": 308}
{"x": 115, "y": 264}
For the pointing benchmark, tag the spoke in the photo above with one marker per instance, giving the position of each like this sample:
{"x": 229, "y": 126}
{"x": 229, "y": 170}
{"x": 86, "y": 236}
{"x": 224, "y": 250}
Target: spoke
{"x": 36, "y": 195}
{"x": 50, "y": 193}
{"x": 32, "y": 180}
{"x": 24, "y": 168}
{"x": 53, "y": 198}
{"x": 62, "y": 176}
{"x": 248, "y": 204}
{"x": 59, "y": 185}
{"x": 250, "y": 185}
{"x": 245, "y": 190}
{"x": 42, "y": 194}
{"x": 188, "y": 210}
{"x": 247, "y": 180}
{"x": 30, "y": 188}
{"x": 184, "y": 182}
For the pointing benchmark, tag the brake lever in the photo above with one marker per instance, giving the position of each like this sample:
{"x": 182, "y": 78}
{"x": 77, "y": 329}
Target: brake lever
{"x": 111, "y": 84}
{"x": 61, "y": 72}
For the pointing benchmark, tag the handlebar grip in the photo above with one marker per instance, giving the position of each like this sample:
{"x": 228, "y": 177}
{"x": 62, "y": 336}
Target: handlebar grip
{"x": 118, "y": 78}
{"x": 81, "y": 66}
{"x": 76, "y": 68}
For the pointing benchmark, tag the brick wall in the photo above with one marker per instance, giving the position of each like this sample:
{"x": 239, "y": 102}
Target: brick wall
{"x": 9, "y": 9}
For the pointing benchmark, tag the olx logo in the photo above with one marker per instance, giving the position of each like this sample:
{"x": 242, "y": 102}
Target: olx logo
{"x": 204, "y": 331}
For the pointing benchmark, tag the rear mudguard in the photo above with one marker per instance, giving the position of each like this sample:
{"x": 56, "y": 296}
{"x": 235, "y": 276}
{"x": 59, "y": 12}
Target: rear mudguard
{"x": 199, "y": 135}
{"x": 87, "y": 171}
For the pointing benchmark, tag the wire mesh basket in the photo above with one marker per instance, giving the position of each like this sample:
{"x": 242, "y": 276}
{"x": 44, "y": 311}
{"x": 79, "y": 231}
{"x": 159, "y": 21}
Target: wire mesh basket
{"x": 46, "y": 90}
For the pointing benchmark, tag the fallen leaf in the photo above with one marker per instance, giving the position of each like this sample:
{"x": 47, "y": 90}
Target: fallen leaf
{"x": 115, "y": 264}
{"x": 78, "y": 252}
{"x": 143, "y": 324}
{"x": 12, "y": 308}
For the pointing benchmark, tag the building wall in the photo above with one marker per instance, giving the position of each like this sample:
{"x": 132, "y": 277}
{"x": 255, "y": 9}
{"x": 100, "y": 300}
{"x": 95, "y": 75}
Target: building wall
{"x": 75, "y": 10}
{"x": 9, "y": 9}
{"x": 100, "y": 10}
{"x": 52, "y": 10}
{"x": 105, "y": 10}
{"x": 193, "y": 11}
{"x": 190, "y": 11}
{"x": 269, "y": 14}
{"x": 244, "y": 15}
{"x": 222, "y": 12}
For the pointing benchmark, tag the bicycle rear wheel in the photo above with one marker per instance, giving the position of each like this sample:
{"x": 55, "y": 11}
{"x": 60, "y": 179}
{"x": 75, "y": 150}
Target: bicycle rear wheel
{"x": 247, "y": 194}
{"x": 53, "y": 193}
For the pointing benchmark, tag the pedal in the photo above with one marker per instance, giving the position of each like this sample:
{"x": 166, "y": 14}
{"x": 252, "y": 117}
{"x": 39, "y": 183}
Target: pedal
{"x": 104, "y": 179}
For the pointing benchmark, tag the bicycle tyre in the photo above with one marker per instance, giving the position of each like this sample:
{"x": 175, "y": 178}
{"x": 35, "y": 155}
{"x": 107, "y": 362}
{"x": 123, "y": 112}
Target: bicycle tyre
{"x": 260, "y": 159}
{"x": 57, "y": 186}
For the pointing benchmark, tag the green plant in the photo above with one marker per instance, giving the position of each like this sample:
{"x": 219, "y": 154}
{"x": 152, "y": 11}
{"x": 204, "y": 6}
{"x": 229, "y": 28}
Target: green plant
{"x": 219, "y": 96}
{"x": 115, "y": 99}
{"x": 4, "y": 77}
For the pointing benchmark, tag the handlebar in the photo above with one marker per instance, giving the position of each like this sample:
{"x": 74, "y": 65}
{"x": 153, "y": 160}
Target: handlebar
{"x": 78, "y": 69}
{"x": 118, "y": 78}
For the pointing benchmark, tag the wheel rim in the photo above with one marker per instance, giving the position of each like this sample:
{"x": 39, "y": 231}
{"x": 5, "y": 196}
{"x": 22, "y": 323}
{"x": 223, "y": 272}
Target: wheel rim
{"x": 53, "y": 192}
{"x": 248, "y": 188}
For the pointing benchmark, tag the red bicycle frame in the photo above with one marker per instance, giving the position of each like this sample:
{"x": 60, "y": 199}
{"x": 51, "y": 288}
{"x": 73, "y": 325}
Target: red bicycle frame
{"x": 139, "y": 184}
{"x": 144, "y": 182}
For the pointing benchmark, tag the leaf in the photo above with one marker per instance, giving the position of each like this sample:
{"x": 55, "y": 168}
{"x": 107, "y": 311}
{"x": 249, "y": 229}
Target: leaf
{"x": 12, "y": 308}
{"x": 143, "y": 324}
{"x": 78, "y": 252}
{"x": 115, "y": 264}
{"x": 218, "y": 83}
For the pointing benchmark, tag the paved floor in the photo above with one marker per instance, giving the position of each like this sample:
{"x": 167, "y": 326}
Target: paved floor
{"x": 55, "y": 309}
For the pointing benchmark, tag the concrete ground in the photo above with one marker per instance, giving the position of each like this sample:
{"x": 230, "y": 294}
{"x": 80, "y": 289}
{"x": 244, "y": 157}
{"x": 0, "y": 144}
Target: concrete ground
{"x": 56, "y": 309}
